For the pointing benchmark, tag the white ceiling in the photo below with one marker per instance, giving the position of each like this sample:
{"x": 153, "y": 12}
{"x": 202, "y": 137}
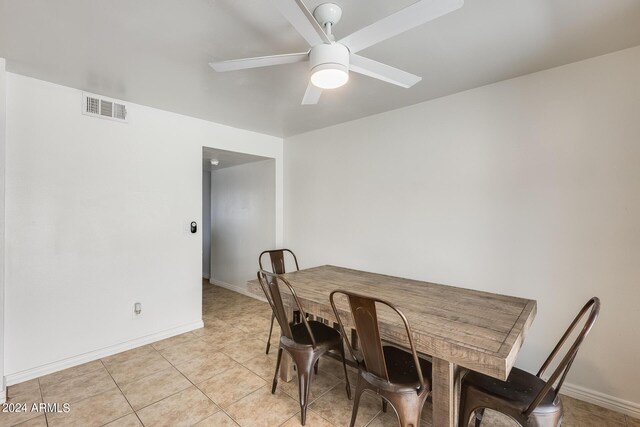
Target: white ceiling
{"x": 227, "y": 159}
{"x": 155, "y": 52}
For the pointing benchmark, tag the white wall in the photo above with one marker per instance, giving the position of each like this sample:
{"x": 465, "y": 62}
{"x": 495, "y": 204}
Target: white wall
{"x": 528, "y": 187}
{"x": 242, "y": 218}
{"x": 3, "y": 127}
{"x": 206, "y": 223}
{"x": 97, "y": 218}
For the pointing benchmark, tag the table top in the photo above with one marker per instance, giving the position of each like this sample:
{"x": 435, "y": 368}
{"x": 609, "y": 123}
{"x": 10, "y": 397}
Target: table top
{"x": 478, "y": 330}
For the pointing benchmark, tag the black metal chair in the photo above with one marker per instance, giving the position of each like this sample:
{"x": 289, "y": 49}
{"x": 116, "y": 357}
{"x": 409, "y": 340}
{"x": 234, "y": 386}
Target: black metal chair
{"x": 526, "y": 398}
{"x": 277, "y": 258}
{"x": 305, "y": 341}
{"x": 399, "y": 377}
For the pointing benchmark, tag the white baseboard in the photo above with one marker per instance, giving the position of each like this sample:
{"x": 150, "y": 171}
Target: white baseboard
{"x": 70, "y": 362}
{"x": 600, "y": 399}
{"x": 237, "y": 288}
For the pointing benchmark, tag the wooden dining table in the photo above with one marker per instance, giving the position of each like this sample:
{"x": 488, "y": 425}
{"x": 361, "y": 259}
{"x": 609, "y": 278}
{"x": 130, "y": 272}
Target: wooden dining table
{"x": 457, "y": 328}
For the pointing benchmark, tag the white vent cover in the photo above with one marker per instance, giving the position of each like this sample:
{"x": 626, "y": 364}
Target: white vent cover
{"x": 105, "y": 108}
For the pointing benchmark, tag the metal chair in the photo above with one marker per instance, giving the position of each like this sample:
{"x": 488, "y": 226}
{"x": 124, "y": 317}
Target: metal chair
{"x": 393, "y": 373}
{"x": 305, "y": 341}
{"x": 276, "y": 257}
{"x": 527, "y": 398}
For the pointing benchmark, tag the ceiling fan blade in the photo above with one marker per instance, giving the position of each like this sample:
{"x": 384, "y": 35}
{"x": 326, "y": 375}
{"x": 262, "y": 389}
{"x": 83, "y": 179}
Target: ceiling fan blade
{"x": 303, "y": 21}
{"x": 261, "y": 61}
{"x": 380, "y": 71}
{"x": 312, "y": 95}
{"x": 399, "y": 22}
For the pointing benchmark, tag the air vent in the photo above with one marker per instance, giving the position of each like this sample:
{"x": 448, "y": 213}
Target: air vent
{"x": 105, "y": 108}
{"x": 92, "y": 105}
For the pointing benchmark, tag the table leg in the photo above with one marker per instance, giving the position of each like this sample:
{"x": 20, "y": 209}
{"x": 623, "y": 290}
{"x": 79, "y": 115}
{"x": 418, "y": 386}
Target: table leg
{"x": 446, "y": 393}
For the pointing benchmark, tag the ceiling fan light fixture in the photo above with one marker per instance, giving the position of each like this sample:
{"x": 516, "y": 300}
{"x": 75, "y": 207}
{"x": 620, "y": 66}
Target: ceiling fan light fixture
{"x": 329, "y": 65}
{"x": 329, "y": 76}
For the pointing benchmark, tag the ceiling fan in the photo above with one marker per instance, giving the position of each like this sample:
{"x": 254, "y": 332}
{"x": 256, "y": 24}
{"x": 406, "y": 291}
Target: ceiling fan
{"x": 330, "y": 60}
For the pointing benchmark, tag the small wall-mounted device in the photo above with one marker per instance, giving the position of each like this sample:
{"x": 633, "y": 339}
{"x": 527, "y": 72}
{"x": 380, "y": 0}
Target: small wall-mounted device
{"x": 137, "y": 308}
{"x": 194, "y": 226}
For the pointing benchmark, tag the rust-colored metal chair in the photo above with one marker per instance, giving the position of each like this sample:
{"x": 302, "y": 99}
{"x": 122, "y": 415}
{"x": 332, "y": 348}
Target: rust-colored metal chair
{"x": 276, "y": 256}
{"x": 399, "y": 377}
{"x": 526, "y": 398}
{"x": 305, "y": 341}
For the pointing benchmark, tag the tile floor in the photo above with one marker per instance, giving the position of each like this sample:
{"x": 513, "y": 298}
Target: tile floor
{"x": 218, "y": 376}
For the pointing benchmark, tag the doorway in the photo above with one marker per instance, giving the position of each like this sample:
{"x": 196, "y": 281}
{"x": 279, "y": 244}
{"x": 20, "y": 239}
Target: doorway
{"x": 238, "y": 215}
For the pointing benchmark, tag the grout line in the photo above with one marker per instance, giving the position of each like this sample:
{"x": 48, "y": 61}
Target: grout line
{"x": 123, "y": 395}
{"x": 46, "y": 419}
{"x": 196, "y": 386}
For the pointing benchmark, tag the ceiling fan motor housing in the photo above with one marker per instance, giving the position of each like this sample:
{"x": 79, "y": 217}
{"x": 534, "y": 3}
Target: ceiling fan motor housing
{"x": 334, "y": 55}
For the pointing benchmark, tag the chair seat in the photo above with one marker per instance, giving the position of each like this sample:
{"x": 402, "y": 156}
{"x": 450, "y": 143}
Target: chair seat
{"x": 321, "y": 332}
{"x": 402, "y": 369}
{"x": 519, "y": 390}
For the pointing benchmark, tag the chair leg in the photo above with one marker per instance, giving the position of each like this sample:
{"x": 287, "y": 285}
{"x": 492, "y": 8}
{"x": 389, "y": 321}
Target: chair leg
{"x": 275, "y": 376}
{"x": 315, "y": 367}
{"x": 384, "y": 405}
{"x": 304, "y": 384}
{"x": 273, "y": 316}
{"x": 478, "y": 416}
{"x": 344, "y": 366}
{"x": 356, "y": 402}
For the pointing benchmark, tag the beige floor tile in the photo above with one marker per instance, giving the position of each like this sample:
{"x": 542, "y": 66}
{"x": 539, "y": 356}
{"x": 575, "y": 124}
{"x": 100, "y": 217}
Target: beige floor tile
{"x": 8, "y": 419}
{"x": 582, "y": 414}
{"x": 93, "y": 411}
{"x": 256, "y": 324}
{"x": 633, "y": 422}
{"x": 26, "y": 393}
{"x": 242, "y": 351}
{"x": 40, "y": 421}
{"x": 390, "y": 419}
{"x": 335, "y": 407}
{"x": 320, "y": 384}
{"x": 189, "y": 350}
{"x": 133, "y": 368}
{"x": 25, "y": 390}
{"x": 335, "y": 368}
{"x": 66, "y": 374}
{"x": 219, "y": 338}
{"x": 263, "y": 365}
{"x": 313, "y": 420}
{"x": 427, "y": 415}
{"x": 130, "y": 420}
{"x": 495, "y": 419}
{"x": 263, "y": 409}
{"x": 231, "y": 385}
{"x": 78, "y": 387}
{"x": 219, "y": 419}
{"x": 178, "y": 339}
{"x": 183, "y": 409}
{"x": 204, "y": 367}
{"x": 134, "y": 352}
{"x": 213, "y": 322}
{"x": 155, "y": 387}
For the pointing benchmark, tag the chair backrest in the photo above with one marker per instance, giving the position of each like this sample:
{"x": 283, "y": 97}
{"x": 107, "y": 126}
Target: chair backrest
{"x": 270, "y": 284}
{"x": 560, "y": 373}
{"x": 276, "y": 257}
{"x": 365, "y": 318}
